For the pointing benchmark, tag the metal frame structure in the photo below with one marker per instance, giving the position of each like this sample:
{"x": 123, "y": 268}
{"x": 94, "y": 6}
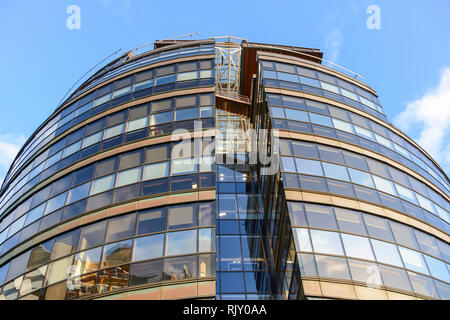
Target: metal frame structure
{"x": 228, "y": 65}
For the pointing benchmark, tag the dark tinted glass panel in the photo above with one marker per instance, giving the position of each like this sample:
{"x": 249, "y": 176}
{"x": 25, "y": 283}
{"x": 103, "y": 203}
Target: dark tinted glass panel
{"x": 151, "y": 221}
{"x": 146, "y": 272}
{"x": 105, "y": 167}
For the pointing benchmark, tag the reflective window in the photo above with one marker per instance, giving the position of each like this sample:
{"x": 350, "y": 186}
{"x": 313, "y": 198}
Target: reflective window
{"x": 128, "y": 177}
{"x": 87, "y": 261}
{"x": 180, "y": 268}
{"x": 413, "y": 260}
{"x": 182, "y": 216}
{"x": 156, "y": 171}
{"x": 350, "y": 221}
{"x": 65, "y": 244}
{"x": 320, "y": 216}
{"x": 92, "y": 235}
{"x": 378, "y": 227}
{"x": 103, "y": 184}
{"x": 116, "y": 253}
{"x": 306, "y": 166}
{"x": 335, "y": 171}
{"x": 148, "y": 247}
{"x": 395, "y": 278}
{"x": 146, "y": 272}
{"x": 386, "y": 253}
{"x": 326, "y": 242}
{"x": 302, "y": 241}
{"x": 181, "y": 242}
{"x": 358, "y": 247}
{"x": 59, "y": 270}
{"x": 151, "y": 221}
{"x": 438, "y": 269}
{"x": 332, "y": 267}
{"x": 121, "y": 227}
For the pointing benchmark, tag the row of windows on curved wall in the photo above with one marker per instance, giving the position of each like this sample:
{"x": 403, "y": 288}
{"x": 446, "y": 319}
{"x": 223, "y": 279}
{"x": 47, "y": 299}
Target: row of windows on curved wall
{"x": 353, "y": 241}
{"x": 145, "y": 83}
{"x": 121, "y": 127}
{"x": 363, "y": 165}
{"x": 92, "y": 187}
{"x": 157, "y": 153}
{"x": 324, "y": 266}
{"x": 82, "y": 250}
{"x": 361, "y": 185}
{"x": 107, "y": 73}
{"x": 342, "y": 136}
{"x": 110, "y": 280}
{"x": 354, "y": 222}
{"x": 354, "y": 124}
{"x": 351, "y": 96}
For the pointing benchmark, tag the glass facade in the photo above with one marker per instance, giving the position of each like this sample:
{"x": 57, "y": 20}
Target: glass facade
{"x": 149, "y": 182}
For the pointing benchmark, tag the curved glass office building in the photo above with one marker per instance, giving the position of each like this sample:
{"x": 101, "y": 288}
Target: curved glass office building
{"x": 223, "y": 169}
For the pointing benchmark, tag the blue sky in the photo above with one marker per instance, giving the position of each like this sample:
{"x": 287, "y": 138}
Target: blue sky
{"x": 407, "y": 61}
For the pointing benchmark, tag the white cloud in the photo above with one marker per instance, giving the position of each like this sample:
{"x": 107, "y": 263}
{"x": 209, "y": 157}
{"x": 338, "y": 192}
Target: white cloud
{"x": 333, "y": 42}
{"x": 10, "y": 144}
{"x": 428, "y": 120}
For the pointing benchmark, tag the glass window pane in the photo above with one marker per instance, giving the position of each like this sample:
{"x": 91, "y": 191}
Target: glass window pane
{"x": 87, "y": 261}
{"x": 302, "y": 241}
{"x": 386, "y": 253}
{"x": 296, "y": 115}
{"x": 128, "y": 177}
{"x": 130, "y": 159}
{"x": 181, "y": 242}
{"x": 423, "y": 285}
{"x": 395, "y": 278}
{"x": 378, "y": 227}
{"x": 350, "y": 221}
{"x": 59, "y": 270}
{"x": 65, "y": 244}
{"x": 438, "y": 268}
{"x": 78, "y": 193}
{"x": 384, "y": 185}
{"x": 33, "y": 280}
{"x": 361, "y": 177}
{"x": 180, "y": 268}
{"x": 358, "y": 247}
{"x": 306, "y": 166}
{"x": 183, "y": 216}
{"x": 92, "y": 235}
{"x": 404, "y": 235}
{"x": 146, "y": 272}
{"x": 55, "y": 203}
{"x": 121, "y": 227}
{"x": 326, "y": 242}
{"x": 156, "y": 171}
{"x": 332, "y": 267}
{"x": 182, "y": 166}
{"x": 117, "y": 253}
{"x": 148, "y": 247}
{"x": 413, "y": 260}
{"x": 336, "y": 172}
{"x": 288, "y": 164}
{"x": 102, "y": 184}
{"x": 113, "y": 131}
{"x": 206, "y": 240}
{"x": 366, "y": 272}
{"x": 320, "y": 216}
{"x": 151, "y": 221}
